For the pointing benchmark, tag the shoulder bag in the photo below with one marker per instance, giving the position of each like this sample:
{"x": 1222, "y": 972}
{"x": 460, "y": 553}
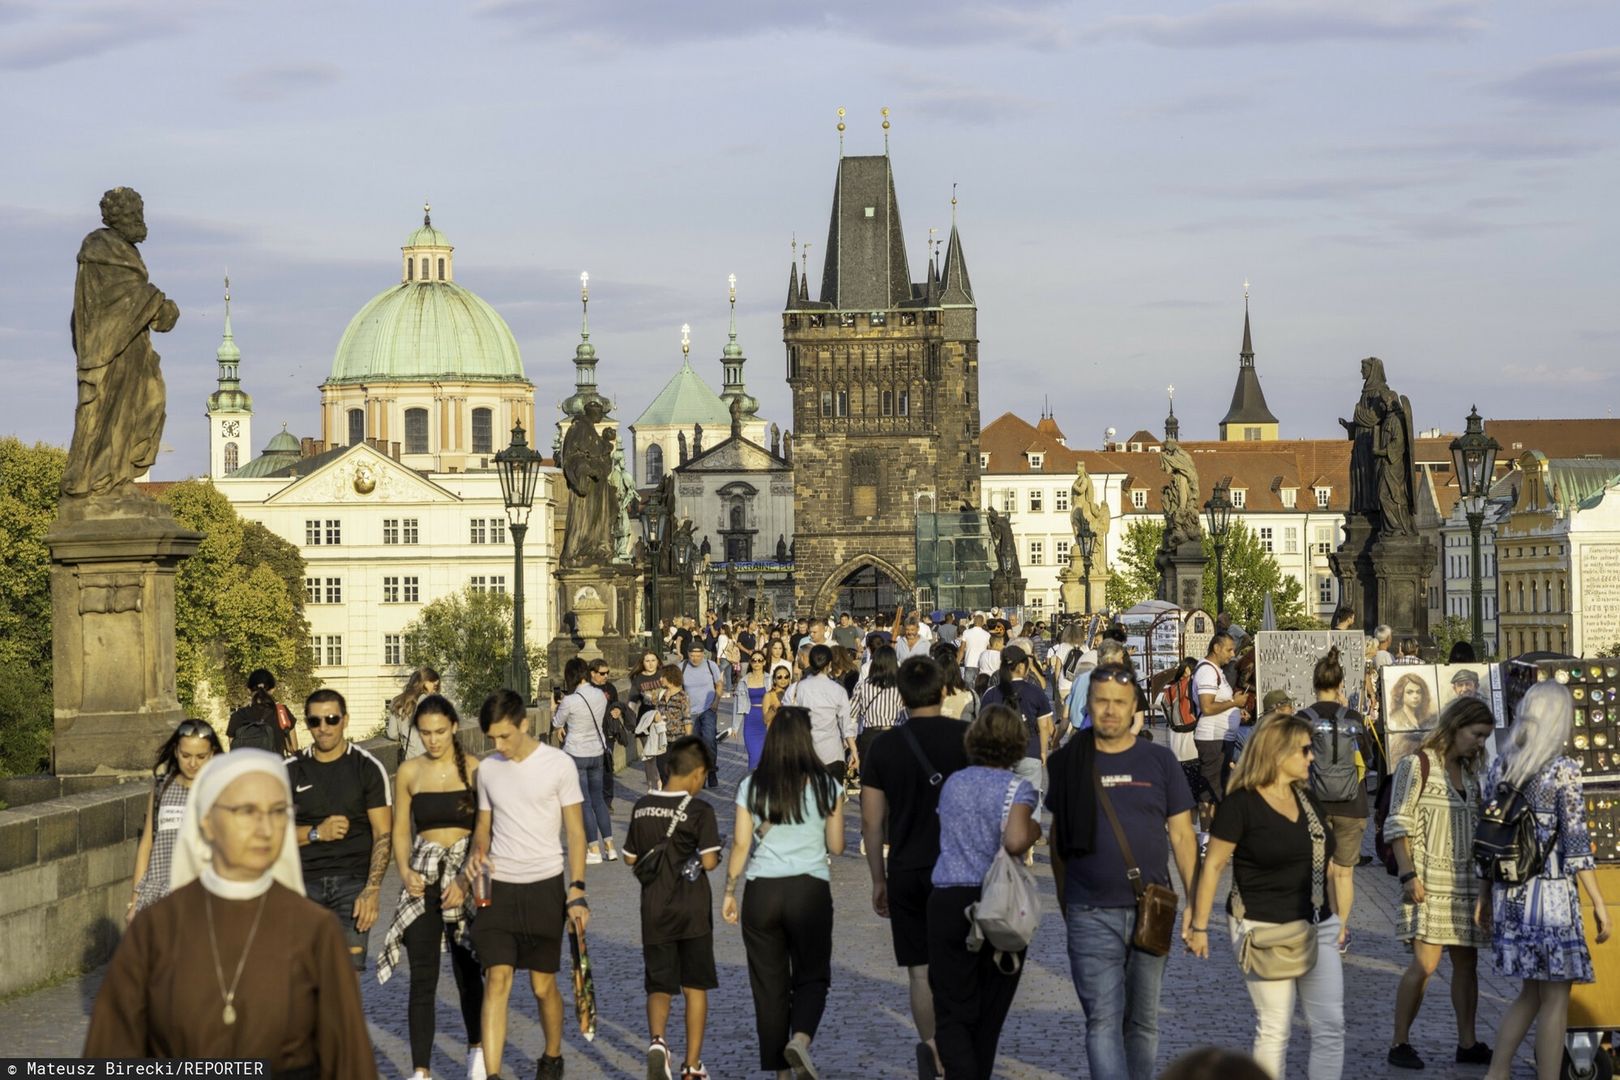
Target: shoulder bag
{"x": 1155, "y": 903}
{"x": 650, "y": 863}
{"x": 1287, "y": 950}
{"x": 1008, "y": 910}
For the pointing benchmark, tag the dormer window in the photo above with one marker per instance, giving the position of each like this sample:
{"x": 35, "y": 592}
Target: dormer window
{"x": 1289, "y": 497}
{"x": 1323, "y": 496}
{"x": 1240, "y": 498}
{"x": 1036, "y": 461}
{"x": 1139, "y": 498}
{"x": 984, "y": 461}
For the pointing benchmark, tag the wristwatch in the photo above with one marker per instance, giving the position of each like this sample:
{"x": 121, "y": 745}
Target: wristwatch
{"x": 314, "y": 834}
{"x": 1408, "y": 876}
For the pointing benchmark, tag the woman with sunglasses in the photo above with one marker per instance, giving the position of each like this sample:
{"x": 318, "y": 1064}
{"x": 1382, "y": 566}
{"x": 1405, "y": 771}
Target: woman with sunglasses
{"x": 179, "y": 760}
{"x": 781, "y": 679}
{"x": 1272, "y": 829}
{"x": 581, "y": 716}
{"x": 776, "y": 654}
{"x": 756, "y": 682}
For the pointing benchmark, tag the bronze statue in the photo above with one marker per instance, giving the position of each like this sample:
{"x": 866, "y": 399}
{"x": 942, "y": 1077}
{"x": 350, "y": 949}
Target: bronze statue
{"x": 1179, "y": 496}
{"x": 1084, "y": 504}
{"x": 587, "y": 466}
{"x": 119, "y": 421}
{"x": 1003, "y": 544}
{"x": 1380, "y": 431}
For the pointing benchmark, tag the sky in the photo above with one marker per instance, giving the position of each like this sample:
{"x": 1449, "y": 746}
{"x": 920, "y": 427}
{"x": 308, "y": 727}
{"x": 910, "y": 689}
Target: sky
{"x": 1429, "y": 182}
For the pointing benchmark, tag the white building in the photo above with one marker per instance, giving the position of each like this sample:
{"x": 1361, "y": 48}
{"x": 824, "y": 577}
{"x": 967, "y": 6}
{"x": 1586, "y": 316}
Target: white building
{"x": 398, "y": 504}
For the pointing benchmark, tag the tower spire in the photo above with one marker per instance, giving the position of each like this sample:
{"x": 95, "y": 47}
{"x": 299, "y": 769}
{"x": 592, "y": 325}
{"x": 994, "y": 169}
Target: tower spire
{"x": 1172, "y": 426}
{"x": 1246, "y": 355}
{"x": 584, "y": 359}
{"x": 228, "y": 355}
{"x": 885, "y": 131}
{"x": 840, "y": 131}
{"x": 1248, "y": 417}
{"x": 734, "y": 390}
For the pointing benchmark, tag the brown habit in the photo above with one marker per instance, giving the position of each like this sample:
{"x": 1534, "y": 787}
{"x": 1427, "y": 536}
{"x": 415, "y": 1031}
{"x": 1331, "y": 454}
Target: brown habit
{"x": 298, "y": 1004}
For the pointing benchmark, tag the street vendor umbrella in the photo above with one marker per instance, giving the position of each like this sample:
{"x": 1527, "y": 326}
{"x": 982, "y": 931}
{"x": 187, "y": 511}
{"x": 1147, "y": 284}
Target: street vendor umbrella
{"x": 1268, "y": 615}
{"x": 584, "y": 983}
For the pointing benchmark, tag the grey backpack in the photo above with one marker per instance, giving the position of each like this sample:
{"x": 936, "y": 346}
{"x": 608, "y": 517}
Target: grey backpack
{"x": 1335, "y": 740}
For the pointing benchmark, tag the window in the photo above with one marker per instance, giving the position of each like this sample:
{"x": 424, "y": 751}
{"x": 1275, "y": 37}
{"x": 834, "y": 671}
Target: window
{"x": 1289, "y": 495}
{"x": 491, "y": 583}
{"x": 410, "y": 275}
{"x": 497, "y": 530}
{"x": 232, "y": 457}
{"x": 1036, "y": 462}
{"x": 390, "y": 530}
{"x": 842, "y": 402}
{"x": 391, "y": 590}
{"x": 441, "y": 269}
{"x": 413, "y": 590}
{"x": 1037, "y": 552}
{"x": 1240, "y": 498}
{"x": 416, "y": 431}
{"x": 654, "y": 472}
{"x": 312, "y": 533}
{"x": 1060, "y": 500}
{"x": 357, "y": 426}
{"x": 1251, "y": 434}
{"x": 1322, "y": 496}
{"x": 334, "y": 590}
{"x": 826, "y": 403}
{"x": 1060, "y": 552}
{"x": 1139, "y": 498}
{"x": 424, "y": 268}
{"x": 1037, "y": 605}
{"x": 488, "y": 531}
{"x": 1324, "y": 589}
{"x": 984, "y": 461}
{"x": 1291, "y": 540}
{"x": 1265, "y": 539}
{"x": 409, "y": 530}
{"x": 887, "y": 399}
{"x": 477, "y": 531}
{"x": 334, "y": 531}
{"x": 393, "y": 649}
{"x": 334, "y": 650}
{"x": 902, "y": 403}
{"x": 398, "y": 590}
{"x": 483, "y": 431}
{"x": 315, "y": 642}
{"x": 1323, "y": 544}
{"x": 312, "y": 590}
{"x": 1037, "y": 501}
{"x": 315, "y": 594}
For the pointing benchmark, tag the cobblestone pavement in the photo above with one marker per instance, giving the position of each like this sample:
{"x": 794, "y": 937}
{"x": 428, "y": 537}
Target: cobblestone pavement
{"x": 866, "y": 1031}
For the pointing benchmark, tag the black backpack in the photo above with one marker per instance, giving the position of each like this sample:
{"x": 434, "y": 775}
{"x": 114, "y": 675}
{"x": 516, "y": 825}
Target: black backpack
{"x": 1506, "y": 847}
{"x": 1335, "y": 740}
{"x": 257, "y": 730}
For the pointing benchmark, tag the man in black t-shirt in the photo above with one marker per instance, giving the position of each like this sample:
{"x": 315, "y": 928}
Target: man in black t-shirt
{"x": 677, "y": 910}
{"x": 900, "y": 819}
{"x": 344, "y": 817}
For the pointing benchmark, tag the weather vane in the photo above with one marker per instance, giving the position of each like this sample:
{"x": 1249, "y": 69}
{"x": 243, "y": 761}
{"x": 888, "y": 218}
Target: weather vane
{"x": 686, "y": 339}
{"x": 840, "y": 131}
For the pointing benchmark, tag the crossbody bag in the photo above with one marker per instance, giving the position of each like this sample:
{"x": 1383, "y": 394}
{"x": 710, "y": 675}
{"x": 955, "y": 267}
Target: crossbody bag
{"x": 650, "y": 863}
{"x": 1155, "y": 903}
{"x": 1287, "y": 950}
{"x": 607, "y": 747}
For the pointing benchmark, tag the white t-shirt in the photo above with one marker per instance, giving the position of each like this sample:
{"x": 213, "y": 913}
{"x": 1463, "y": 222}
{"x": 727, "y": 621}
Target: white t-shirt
{"x": 990, "y": 662}
{"x": 1215, "y": 723}
{"x": 974, "y": 641}
{"x": 527, "y": 798}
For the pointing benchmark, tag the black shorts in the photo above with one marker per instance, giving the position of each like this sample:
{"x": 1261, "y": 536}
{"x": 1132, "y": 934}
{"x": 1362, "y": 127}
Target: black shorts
{"x": 908, "y": 914}
{"x": 676, "y": 965}
{"x": 522, "y": 927}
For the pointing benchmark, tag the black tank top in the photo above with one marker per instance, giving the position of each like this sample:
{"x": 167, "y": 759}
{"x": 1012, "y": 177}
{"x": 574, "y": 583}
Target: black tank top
{"x": 440, "y": 810}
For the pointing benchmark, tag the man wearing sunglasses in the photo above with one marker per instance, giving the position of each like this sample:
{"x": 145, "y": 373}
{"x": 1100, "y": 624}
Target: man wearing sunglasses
{"x": 344, "y": 815}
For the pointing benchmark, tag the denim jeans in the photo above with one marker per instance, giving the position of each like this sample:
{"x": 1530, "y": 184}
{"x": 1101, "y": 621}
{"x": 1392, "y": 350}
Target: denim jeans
{"x": 337, "y": 894}
{"x": 1320, "y": 991}
{"x": 703, "y": 726}
{"x": 1030, "y": 769}
{"x": 1119, "y": 991}
{"x": 598, "y": 823}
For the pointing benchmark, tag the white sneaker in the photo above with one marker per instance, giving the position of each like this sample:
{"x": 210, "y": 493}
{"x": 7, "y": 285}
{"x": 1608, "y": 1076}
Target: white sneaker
{"x": 592, "y": 858}
{"x": 475, "y": 1064}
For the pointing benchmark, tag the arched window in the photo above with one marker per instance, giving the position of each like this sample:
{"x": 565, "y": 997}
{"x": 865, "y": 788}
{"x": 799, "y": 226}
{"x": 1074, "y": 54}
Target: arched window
{"x": 357, "y": 426}
{"x": 441, "y": 269}
{"x": 416, "y": 431}
{"x": 231, "y": 458}
{"x": 424, "y": 268}
{"x": 483, "y": 431}
{"x": 655, "y": 464}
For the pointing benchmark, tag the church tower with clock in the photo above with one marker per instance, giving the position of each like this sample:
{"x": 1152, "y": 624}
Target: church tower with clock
{"x": 230, "y": 410}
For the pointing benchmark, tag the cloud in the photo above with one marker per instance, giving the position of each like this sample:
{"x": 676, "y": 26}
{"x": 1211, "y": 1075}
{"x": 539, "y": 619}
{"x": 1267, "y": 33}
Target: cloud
{"x": 1287, "y": 22}
{"x": 1199, "y": 103}
{"x": 1313, "y": 188}
{"x": 44, "y": 36}
{"x": 1555, "y": 373}
{"x": 949, "y": 99}
{"x": 273, "y": 82}
{"x": 1487, "y": 146}
{"x": 641, "y": 23}
{"x": 1579, "y": 78}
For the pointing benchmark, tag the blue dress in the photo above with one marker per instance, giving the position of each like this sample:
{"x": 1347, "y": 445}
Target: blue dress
{"x": 1536, "y": 927}
{"x": 754, "y": 724}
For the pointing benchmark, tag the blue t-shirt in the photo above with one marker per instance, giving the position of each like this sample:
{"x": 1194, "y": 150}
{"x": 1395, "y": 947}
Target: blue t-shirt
{"x": 1147, "y": 787}
{"x": 789, "y": 850}
{"x": 1032, "y": 702}
{"x": 698, "y": 682}
{"x": 970, "y": 804}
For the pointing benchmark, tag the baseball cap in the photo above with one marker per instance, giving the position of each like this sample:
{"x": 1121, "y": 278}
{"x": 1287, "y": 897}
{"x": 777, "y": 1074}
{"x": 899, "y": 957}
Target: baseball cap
{"x": 1276, "y": 699}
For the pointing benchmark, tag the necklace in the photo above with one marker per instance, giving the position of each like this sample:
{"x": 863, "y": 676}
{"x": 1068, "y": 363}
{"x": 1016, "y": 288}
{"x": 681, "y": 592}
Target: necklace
{"x": 229, "y": 996}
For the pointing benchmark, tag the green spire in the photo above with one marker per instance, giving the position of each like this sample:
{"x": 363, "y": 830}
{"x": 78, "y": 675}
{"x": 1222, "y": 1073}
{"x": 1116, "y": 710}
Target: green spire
{"x": 584, "y": 359}
{"x": 732, "y": 360}
{"x": 229, "y": 397}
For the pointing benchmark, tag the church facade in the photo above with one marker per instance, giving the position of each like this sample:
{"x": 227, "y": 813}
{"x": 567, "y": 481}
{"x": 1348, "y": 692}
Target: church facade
{"x": 884, "y": 373}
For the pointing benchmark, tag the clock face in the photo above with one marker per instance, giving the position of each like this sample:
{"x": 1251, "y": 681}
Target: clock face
{"x": 231, "y": 428}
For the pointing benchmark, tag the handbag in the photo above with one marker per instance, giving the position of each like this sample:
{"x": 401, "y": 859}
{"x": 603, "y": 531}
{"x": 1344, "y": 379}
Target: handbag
{"x": 1155, "y": 903}
{"x": 1008, "y": 910}
{"x": 650, "y": 863}
{"x": 1287, "y": 950}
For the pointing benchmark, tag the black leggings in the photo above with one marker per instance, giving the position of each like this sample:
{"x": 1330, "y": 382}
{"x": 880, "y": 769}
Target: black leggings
{"x": 421, "y": 939}
{"x": 787, "y": 933}
{"x": 971, "y": 995}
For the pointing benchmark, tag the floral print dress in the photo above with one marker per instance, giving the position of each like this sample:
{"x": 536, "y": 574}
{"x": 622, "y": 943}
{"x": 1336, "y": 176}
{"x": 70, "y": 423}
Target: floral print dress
{"x": 1536, "y": 927}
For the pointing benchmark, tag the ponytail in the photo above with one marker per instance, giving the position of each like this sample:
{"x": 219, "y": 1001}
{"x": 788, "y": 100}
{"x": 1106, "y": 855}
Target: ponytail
{"x": 1011, "y": 657}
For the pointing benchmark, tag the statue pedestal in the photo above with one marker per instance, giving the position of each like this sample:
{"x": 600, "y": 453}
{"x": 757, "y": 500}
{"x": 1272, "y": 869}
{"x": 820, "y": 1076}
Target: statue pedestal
{"x": 112, "y": 631}
{"x": 612, "y": 630}
{"x": 1385, "y": 579}
{"x": 1073, "y": 583}
{"x": 1006, "y": 590}
{"x": 1181, "y": 575}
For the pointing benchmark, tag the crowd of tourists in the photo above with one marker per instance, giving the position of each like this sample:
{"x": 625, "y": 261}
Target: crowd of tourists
{"x": 967, "y": 744}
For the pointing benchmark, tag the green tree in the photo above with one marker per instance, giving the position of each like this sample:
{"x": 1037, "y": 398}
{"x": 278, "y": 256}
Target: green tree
{"x": 1250, "y": 573}
{"x": 30, "y": 477}
{"x": 1452, "y": 629}
{"x": 467, "y": 637}
{"x": 1133, "y": 577}
{"x": 239, "y": 602}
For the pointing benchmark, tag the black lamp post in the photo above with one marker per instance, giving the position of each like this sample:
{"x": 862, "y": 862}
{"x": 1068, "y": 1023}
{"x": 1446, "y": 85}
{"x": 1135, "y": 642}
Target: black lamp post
{"x": 1473, "y": 453}
{"x": 1218, "y": 512}
{"x": 652, "y": 535}
{"x": 519, "y": 469}
{"x": 684, "y": 554}
{"x": 1086, "y": 539}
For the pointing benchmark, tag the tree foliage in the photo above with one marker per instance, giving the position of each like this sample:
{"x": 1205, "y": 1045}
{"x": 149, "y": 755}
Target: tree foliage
{"x": 467, "y": 637}
{"x": 1452, "y": 629}
{"x": 1133, "y": 577}
{"x": 30, "y": 477}
{"x": 239, "y": 602}
{"x": 1251, "y": 573}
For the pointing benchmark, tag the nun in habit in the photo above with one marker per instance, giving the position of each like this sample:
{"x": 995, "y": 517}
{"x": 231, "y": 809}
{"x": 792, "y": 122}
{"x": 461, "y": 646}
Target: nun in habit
{"x": 234, "y": 963}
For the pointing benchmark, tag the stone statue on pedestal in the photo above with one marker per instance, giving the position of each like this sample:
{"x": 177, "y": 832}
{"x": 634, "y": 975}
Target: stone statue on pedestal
{"x": 1380, "y": 432}
{"x": 680, "y": 440}
{"x": 697, "y": 439}
{"x": 1002, "y": 543}
{"x": 736, "y": 417}
{"x": 624, "y": 489}
{"x": 1180, "y": 496}
{"x": 587, "y": 465}
{"x": 1085, "y": 506}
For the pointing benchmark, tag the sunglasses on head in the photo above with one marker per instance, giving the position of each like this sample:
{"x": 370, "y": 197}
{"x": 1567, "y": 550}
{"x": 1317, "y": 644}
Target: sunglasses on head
{"x": 313, "y": 722}
{"x": 194, "y": 729}
{"x": 1114, "y": 674}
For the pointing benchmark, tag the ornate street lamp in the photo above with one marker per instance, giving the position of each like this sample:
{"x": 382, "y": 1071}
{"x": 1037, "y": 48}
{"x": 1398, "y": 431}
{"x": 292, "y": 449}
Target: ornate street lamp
{"x": 1473, "y": 453}
{"x": 653, "y": 526}
{"x": 685, "y": 554}
{"x": 1218, "y": 513}
{"x": 519, "y": 468}
{"x": 1087, "y": 541}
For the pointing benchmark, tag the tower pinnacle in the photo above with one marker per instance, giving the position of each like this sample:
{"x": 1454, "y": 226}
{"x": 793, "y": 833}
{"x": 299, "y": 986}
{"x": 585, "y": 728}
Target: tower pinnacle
{"x": 732, "y": 361}
{"x": 584, "y": 359}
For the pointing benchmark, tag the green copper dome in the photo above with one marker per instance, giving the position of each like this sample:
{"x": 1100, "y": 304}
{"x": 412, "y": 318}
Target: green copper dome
{"x": 283, "y": 442}
{"x": 427, "y": 330}
{"x": 427, "y": 236}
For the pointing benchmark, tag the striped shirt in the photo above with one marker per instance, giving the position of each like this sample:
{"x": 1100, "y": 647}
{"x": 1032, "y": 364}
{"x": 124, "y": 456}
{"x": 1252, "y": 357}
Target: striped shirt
{"x": 875, "y": 708}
